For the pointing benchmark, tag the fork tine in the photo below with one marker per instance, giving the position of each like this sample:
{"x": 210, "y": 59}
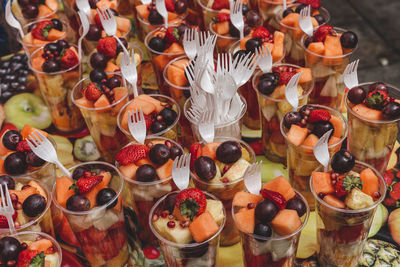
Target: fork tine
{"x": 10, "y": 207}
{"x": 2, "y": 197}
{"x": 33, "y": 139}
{"x": 141, "y": 116}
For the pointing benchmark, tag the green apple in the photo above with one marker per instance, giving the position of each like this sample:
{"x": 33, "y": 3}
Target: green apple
{"x": 28, "y": 109}
{"x": 308, "y": 244}
{"x": 380, "y": 217}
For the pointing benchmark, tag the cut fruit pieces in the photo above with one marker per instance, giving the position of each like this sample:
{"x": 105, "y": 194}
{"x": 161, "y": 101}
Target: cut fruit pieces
{"x": 337, "y": 126}
{"x": 215, "y": 207}
{"x": 245, "y": 220}
{"x": 370, "y": 182}
{"x": 165, "y": 171}
{"x": 317, "y": 48}
{"x": 297, "y": 134}
{"x": 210, "y": 150}
{"x": 286, "y": 222}
{"x": 309, "y": 143}
{"x": 333, "y": 51}
{"x": 62, "y": 190}
{"x": 306, "y": 75}
{"x": 129, "y": 171}
{"x": 282, "y": 186}
{"x": 321, "y": 182}
{"x": 367, "y": 113}
{"x": 334, "y": 201}
{"x": 203, "y": 227}
{"x": 242, "y": 199}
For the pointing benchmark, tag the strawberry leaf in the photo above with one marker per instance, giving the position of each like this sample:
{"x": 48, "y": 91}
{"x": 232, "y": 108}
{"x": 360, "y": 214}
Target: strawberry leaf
{"x": 351, "y": 181}
{"x": 38, "y": 260}
{"x": 189, "y": 207}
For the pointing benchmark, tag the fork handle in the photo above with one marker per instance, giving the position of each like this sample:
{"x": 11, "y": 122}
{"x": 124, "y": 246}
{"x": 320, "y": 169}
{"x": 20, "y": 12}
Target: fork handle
{"x": 63, "y": 169}
{"x": 122, "y": 45}
{"x": 11, "y": 225}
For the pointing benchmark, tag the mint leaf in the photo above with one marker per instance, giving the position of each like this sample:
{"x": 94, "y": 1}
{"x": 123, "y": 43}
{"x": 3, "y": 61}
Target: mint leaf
{"x": 46, "y": 30}
{"x": 38, "y": 260}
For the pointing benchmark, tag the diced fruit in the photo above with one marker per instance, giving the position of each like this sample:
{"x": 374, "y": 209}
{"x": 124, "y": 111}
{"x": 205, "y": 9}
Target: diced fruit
{"x": 286, "y": 222}
{"x": 92, "y": 194}
{"x": 157, "y": 103}
{"x": 317, "y": 48}
{"x": 55, "y": 35}
{"x": 24, "y": 194}
{"x": 129, "y": 170}
{"x": 41, "y": 245}
{"x": 321, "y": 182}
{"x": 176, "y": 234}
{"x": 165, "y": 170}
{"x": 334, "y": 201}
{"x": 280, "y": 185}
{"x": 297, "y": 134}
{"x": 203, "y": 227}
{"x": 366, "y": 112}
{"x": 236, "y": 171}
{"x": 215, "y": 207}
{"x": 242, "y": 199}
{"x": 143, "y": 11}
{"x": 102, "y": 103}
{"x": 337, "y": 125}
{"x": 306, "y": 75}
{"x": 333, "y": 48}
{"x": 40, "y": 189}
{"x": 357, "y": 199}
{"x": 210, "y": 150}
{"x": 245, "y": 220}
{"x": 176, "y": 76}
{"x": 44, "y": 11}
{"x": 62, "y": 190}
{"x": 123, "y": 24}
{"x": 277, "y": 52}
{"x": 310, "y": 141}
{"x": 291, "y": 19}
{"x": 370, "y": 182}
{"x": 27, "y": 130}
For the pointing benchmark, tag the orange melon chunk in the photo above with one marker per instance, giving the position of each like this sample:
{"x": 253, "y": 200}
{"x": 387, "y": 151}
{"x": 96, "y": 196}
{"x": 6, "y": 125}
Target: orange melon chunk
{"x": 172, "y": 16}
{"x": 291, "y": 20}
{"x": 277, "y": 52}
{"x": 24, "y": 194}
{"x": 203, "y": 227}
{"x": 101, "y": 104}
{"x": 143, "y": 11}
{"x": 129, "y": 171}
{"x": 243, "y": 42}
{"x": 306, "y": 75}
{"x": 44, "y": 11}
{"x": 245, "y": 220}
{"x": 333, "y": 48}
{"x": 286, "y": 222}
{"x": 280, "y": 185}
{"x": 38, "y": 188}
{"x": 337, "y": 126}
{"x": 370, "y": 182}
{"x": 321, "y": 182}
{"x": 37, "y": 62}
{"x": 297, "y": 134}
{"x": 210, "y": 150}
{"x": 310, "y": 141}
{"x": 164, "y": 171}
{"x": 62, "y": 190}
{"x": 334, "y": 140}
{"x": 221, "y": 28}
{"x": 334, "y": 201}
{"x": 41, "y": 245}
{"x": 317, "y": 48}
{"x": 123, "y": 24}
{"x": 175, "y": 48}
{"x": 161, "y": 61}
{"x": 367, "y": 113}
{"x": 84, "y": 102}
{"x": 91, "y": 195}
{"x": 157, "y": 103}
{"x": 119, "y": 94}
{"x": 55, "y": 35}
{"x": 27, "y": 130}
{"x": 111, "y": 67}
{"x": 241, "y": 199}
{"x": 176, "y": 76}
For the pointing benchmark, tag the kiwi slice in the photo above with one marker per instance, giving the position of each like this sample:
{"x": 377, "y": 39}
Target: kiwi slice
{"x": 85, "y": 149}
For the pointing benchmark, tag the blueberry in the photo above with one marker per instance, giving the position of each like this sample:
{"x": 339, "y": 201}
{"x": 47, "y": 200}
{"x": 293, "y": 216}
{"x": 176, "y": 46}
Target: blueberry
{"x": 356, "y": 95}
{"x": 205, "y": 168}
{"x": 266, "y": 210}
{"x": 158, "y": 126}
{"x": 229, "y": 152}
{"x": 263, "y": 230}
{"x": 57, "y": 24}
{"x": 252, "y": 44}
{"x": 290, "y": 118}
{"x": 51, "y": 66}
{"x": 97, "y": 75}
{"x": 146, "y": 173}
{"x": 391, "y": 110}
{"x": 10, "y": 248}
{"x": 155, "y": 18}
{"x": 266, "y": 87}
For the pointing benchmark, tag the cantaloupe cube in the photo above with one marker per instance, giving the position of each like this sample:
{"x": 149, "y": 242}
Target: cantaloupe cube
{"x": 337, "y": 126}
{"x": 203, "y": 227}
{"x": 242, "y": 199}
{"x": 164, "y": 171}
{"x": 291, "y": 20}
{"x": 243, "y": 42}
{"x": 84, "y": 102}
{"x": 309, "y": 143}
{"x": 157, "y": 103}
{"x": 120, "y": 94}
{"x": 221, "y": 28}
{"x": 333, "y": 48}
{"x": 92, "y": 194}
{"x": 111, "y": 67}
{"x": 317, "y": 48}
{"x": 44, "y": 11}
{"x": 297, "y": 134}
{"x": 40, "y": 245}
{"x": 129, "y": 171}
{"x": 334, "y": 140}
{"x": 245, "y": 220}
{"x": 62, "y": 190}
{"x": 181, "y": 63}
{"x": 37, "y": 62}
{"x": 39, "y": 188}
{"x": 24, "y": 193}
{"x": 367, "y": 113}
{"x": 52, "y": 4}
{"x": 334, "y": 201}
{"x": 123, "y": 24}
{"x": 55, "y": 35}
{"x": 277, "y": 52}
{"x": 286, "y": 222}
{"x": 175, "y": 48}
{"x": 306, "y": 75}
{"x": 172, "y": 16}
{"x": 210, "y": 150}
{"x": 177, "y": 76}
{"x": 143, "y": 11}
{"x": 102, "y": 104}
{"x": 280, "y": 185}
{"x": 321, "y": 182}
{"x": 27, "y": 130}
{"x": 161, "y": 61}
{"x": 370, "y": 182}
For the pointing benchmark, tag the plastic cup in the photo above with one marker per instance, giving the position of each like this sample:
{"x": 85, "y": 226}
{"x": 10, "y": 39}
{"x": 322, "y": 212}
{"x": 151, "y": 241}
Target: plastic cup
{"x": 301, "y": 161}
{"x": 328, "y": 74}
{"x": 206, "y": 14}
{"x": 17, "y": 12}
{"x": 293, "y": 48}
{"x": 268, "y": 9}
{"x": 55, "y": 88}
{"x": 225, "y": 192}
{"x": 260, "y": 251}
{"x": 102, "y": 121}
{"x": 146, "y": 194}
{"x": 223, "y": 42}
{"x": 101, "y": 230}
{"x": 202, "y": 254}
{"x": 342, "y": 233}
{"x": 372, "y": 141}
{"x": 272, "y": 111}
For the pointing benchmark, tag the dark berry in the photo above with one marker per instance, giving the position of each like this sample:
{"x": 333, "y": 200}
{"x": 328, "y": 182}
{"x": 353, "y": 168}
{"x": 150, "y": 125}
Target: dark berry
{"x": 300, "y": 7}
{"x": 308, "y": 41}
{"x": 9, "y": 78}
{"x": 233, "y": 31}
{"x": 286, "y": 12}
{"x": 342, "y": 161}
{"x": 11, "y": 139}
{"x": 245, "y": 9}
{"x": 205, "y": 168}
{"x": 263, "y": 230}
{"x": 51, "y": 66}
{"x": 290, "y": 118}
{"x": 22, "y": 79}
{"x": 23, "y": 2}
{"x": 349, "y": 39}
{"x": 78, "y": 203}
{"x": 270, "y": 76}
{"x": 391, "y": 110}
{"x": 57, "y": 24}
{"x": 253, "y": 19}
{"x": 113, "y": 82}
{"x": 356, "y": 95}
{"x": 97, "y": 75}
{"x": 229, "y": 152}
{"x": 169, "y": 202}
{"x": 104, "y": 196}
{"x": 79, "y": 172}
{"x": 157, "y": 44}
{"x": 306, "y": 110}
{"x": 155, "y": 18}
{"x": 175, "y": 152}
{"x": 33, "y": 160}
{"x": 252, "y": 44}
{"x": 239, "y": 53}
{"x": 98, "y": 61}
{"x": 5, "y": 179}
{"x": 94, "y": 33}
{"x": 180, "y": 6}
{"x": 266, "y": 210}
{"x": 63, "y": 44}
{"x": 159, "y": 154}
{"x": 52, "y": 47}
{"x": 168, "y": 115}
{"x": 298, "y": 205}
{"x": 10, "y": 248}
{"x": 320, "y": 19}
{"x": 34, "y": 205}
{"x": 182, "y": 28}
{"x": 119, "y": 47}
{"x": 378, "y": 86}
{"x": 266, "y": 87}
{"x": 321, "y": 127}
{"x": 30, "y": 11}
{"x": 15, "y": 163}
{"x": 93, "y": 4}
{"x": 146, "y": 173}
{"x": 158, "y": 126}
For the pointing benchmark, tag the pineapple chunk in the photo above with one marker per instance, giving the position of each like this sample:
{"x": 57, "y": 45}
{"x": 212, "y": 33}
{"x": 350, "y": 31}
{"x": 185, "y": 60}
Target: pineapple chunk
{"x": 217, "y": 177}
{"x": 245, "y": 154}
{"x": 215, "y": 207}
{"x": 177, "y": 234}
{"x": 236, "y": 171}
{"x": 358, "y": 200}
{"x": 51, "y": 260}
{"x": 220, "y": 166}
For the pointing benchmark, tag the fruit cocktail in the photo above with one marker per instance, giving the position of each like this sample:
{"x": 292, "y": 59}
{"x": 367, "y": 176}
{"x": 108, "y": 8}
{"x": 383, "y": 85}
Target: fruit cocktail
{"x": 270, "y": 223}
{"x": 31, "y": 201}
{"x": 327, "y": 53}
{"x": 92, "y": 202}
{"x": 218, "y": 168}
{"x": 270, "y": 8}
{"x": 30, "y": 249}
{"x": 188, "y": 225}
{"x": 56, "y": 67}
{"x": 373, "y": 112}
{"x": 270, "y": 88}
{"x": 346, "y": 198}
{"x": 288, "y": 21}
{"x": 161, "y": 114}
{"x": 28, "y": 11}
{"x": 302, "y": 131}
{"x": 147, "y": 173}
{"x": 100, "y": 103}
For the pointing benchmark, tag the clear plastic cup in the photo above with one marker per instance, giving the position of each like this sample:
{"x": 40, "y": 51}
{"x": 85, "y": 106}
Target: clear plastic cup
{"x": 342, "y": 233}
{"x": 268, "y": 9}
{"x": 206, "y": 14}
{"x": 56, "y": 88}
{"x": 202, "y": 254}
{"x": 225, "y": 192}
{"x": 102, "y": 121}
{"x": 260, "y": 251}
{"x": 328, "y": 74}
{"x": 272, "y": 111}
{"x": 17, "y": 12}
{"x": 223, "y": 42}
{"x": 301, "y": 161}
{"x": 372, "y": 141}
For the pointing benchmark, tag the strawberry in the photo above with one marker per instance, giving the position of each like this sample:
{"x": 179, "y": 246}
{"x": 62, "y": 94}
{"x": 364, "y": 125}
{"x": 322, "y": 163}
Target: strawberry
{"x": 195, "y": 151}
{"x": 98, "y": 21}
{"x": 191, "y": 202}
{"x": 107, "y": 46}
{"x": 345, "y": 185}
{"x": 23, "y": 146}
{"x": 221, "y": 17}
{"x": 395, "y": 191}
{"x": 26, "y": 256}
{"x": 319, "y": 115}
{"x": 257, "y": 147}
{"x": 172, "y": 35}
{"x": 4, "y": 222}
{"x": 41, "y": 30}
{"x": 148, "y": 121}
{"x": 170, "y": 5}
{"x": 131, "y": 154}
{"x": 315, "y": 4}
{"x": 376, "y": 99}
{"x": 92, "y": 92}
{"x": 339, "y": 190}
{"x": 68, "y": 59}
{"x": 388, "y": 177}
{"x": 86, "y": 183}
{"x": 260, "y": 32}
{"x": 321, "y": 33}
{"x": 285, "y": 77}
{"x": 220, "y": 4}
{"x": 275, "y": 197}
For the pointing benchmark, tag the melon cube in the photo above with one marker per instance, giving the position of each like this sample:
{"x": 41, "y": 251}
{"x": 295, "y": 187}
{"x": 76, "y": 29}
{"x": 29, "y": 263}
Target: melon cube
{"x": 321, "y": 182}
{"x": 245, "y": 220}
{"x": 280, "y": 185}
{"x": 286, "y": 222}
{"x": 297, "y": 134}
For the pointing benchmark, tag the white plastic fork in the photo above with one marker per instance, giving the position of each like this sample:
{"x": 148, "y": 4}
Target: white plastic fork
{"x": 6, "y": 207}
{"x": 206, "y": 126}
{"x": 83, "y": 5}
{"x": 85, "y": 28}
{"x": 350, "y": 76}
{"x": 45, "y": 150}
{"x": 245, "y": 67}
{"x": 12, "y": 21}
{"x": 252, "y": 178}
{"x": 284, "y": 5}
{"x": 265, "y": 58}
{"x": 321, "y": 151}
{"x": 129, "y": 71}
{"x": 291, "y": 92}
{"x": 146, "y": 2}
{"x": 137, "y": 125}
{"x": 189, "y": 43}
{"x": 305, "y": 21}
{"x": 160, "y": 6}
{"x": 181, "y": 171}
{"x": 236, "y": 16}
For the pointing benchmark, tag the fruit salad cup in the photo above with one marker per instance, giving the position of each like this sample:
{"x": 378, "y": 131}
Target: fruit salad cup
{"x": 270, "y": 8}
{"x": 218, "y": 170}
{"x": 162, "y": 51}
{"x": 270, "y": 223}
{"x": 327, "y": 53}
{"x": 39, "y": 33}
{"x": 30, "y": 248}
{"x": 92, "y": 202}
{"x": 31, "y": 201}
{"x": 100, "y": 102}
{"x": 373, "y": 112}
{"x": 188, "y": 237}
{"x": 57, "y": 75}
{"x": 147, "y": 173}
{"x": 161, "y": 114}
{"x": 302, "y": 131}
{"x": 289, "y": 24}
{"x": 270, "y": 89}
{"x": 345, "y": 203}
{"x": 28, "y": 11}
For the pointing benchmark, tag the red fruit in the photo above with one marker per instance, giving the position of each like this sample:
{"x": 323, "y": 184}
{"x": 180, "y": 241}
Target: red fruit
{"x": 388, "y": 177}
{"x": 376, "y": 99}
{"x": 112, "y": 244}
{"x": 151, "y": 252}
{"x": 92, "y": 92}
{"x": 285, "y": 77}
{"x": 85, "y": 184}
{"x": 172, "y": 35}
{"x": 315, "y": 4}
{"x": 319, "y": 115}
{"x": 257, "y": 147}
{"x": 4, "y": 222}
{"x": 220, "y": 4}
{"x": 191, "y": 202}
{"x": 321, "y": 33}
{"x": 107, "y": 46}
{"x": 221, "y": 17}
{"x": 98, "y": 21}
{"x": 274, "y": 125}
{"x": 260, "y": 32}
{"x": 25, "y": 257}
{"x": 195, "y": 151}
{"x": 68, "y": 59}
{"x": 276, "y": 197}
{"x": 390, "y": 202}
{"x": 41, "y": 30}
{"x": 348, "y": 234}
{"x": 395, "y": 191}
{"x": 339, "y": 189}
{"x": 148, "y": 120}
{"x": 23, "y": 146}
{"x": 170, "y": 5}
{"x": 131, "y": 154}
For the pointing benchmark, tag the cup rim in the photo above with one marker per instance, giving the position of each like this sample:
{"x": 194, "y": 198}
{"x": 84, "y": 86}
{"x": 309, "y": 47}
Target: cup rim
{"x": 349, "y": 109}
{"x": 165, "y": 73}
{"x": 304, "y": 223}
{"x": 210, "y": 28}
{"x": 207, "y": 8}
{"x": 237, "y": 44}
{"x": 376, "y": 203}
{"x": 340, "y": 115}
{"x": 177, "y": 245}
{"x": 38, "y": 218}
{"x": 147, "y": 40}
{"x": 150, "y": 137}
{"x": 96, "y": 208}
